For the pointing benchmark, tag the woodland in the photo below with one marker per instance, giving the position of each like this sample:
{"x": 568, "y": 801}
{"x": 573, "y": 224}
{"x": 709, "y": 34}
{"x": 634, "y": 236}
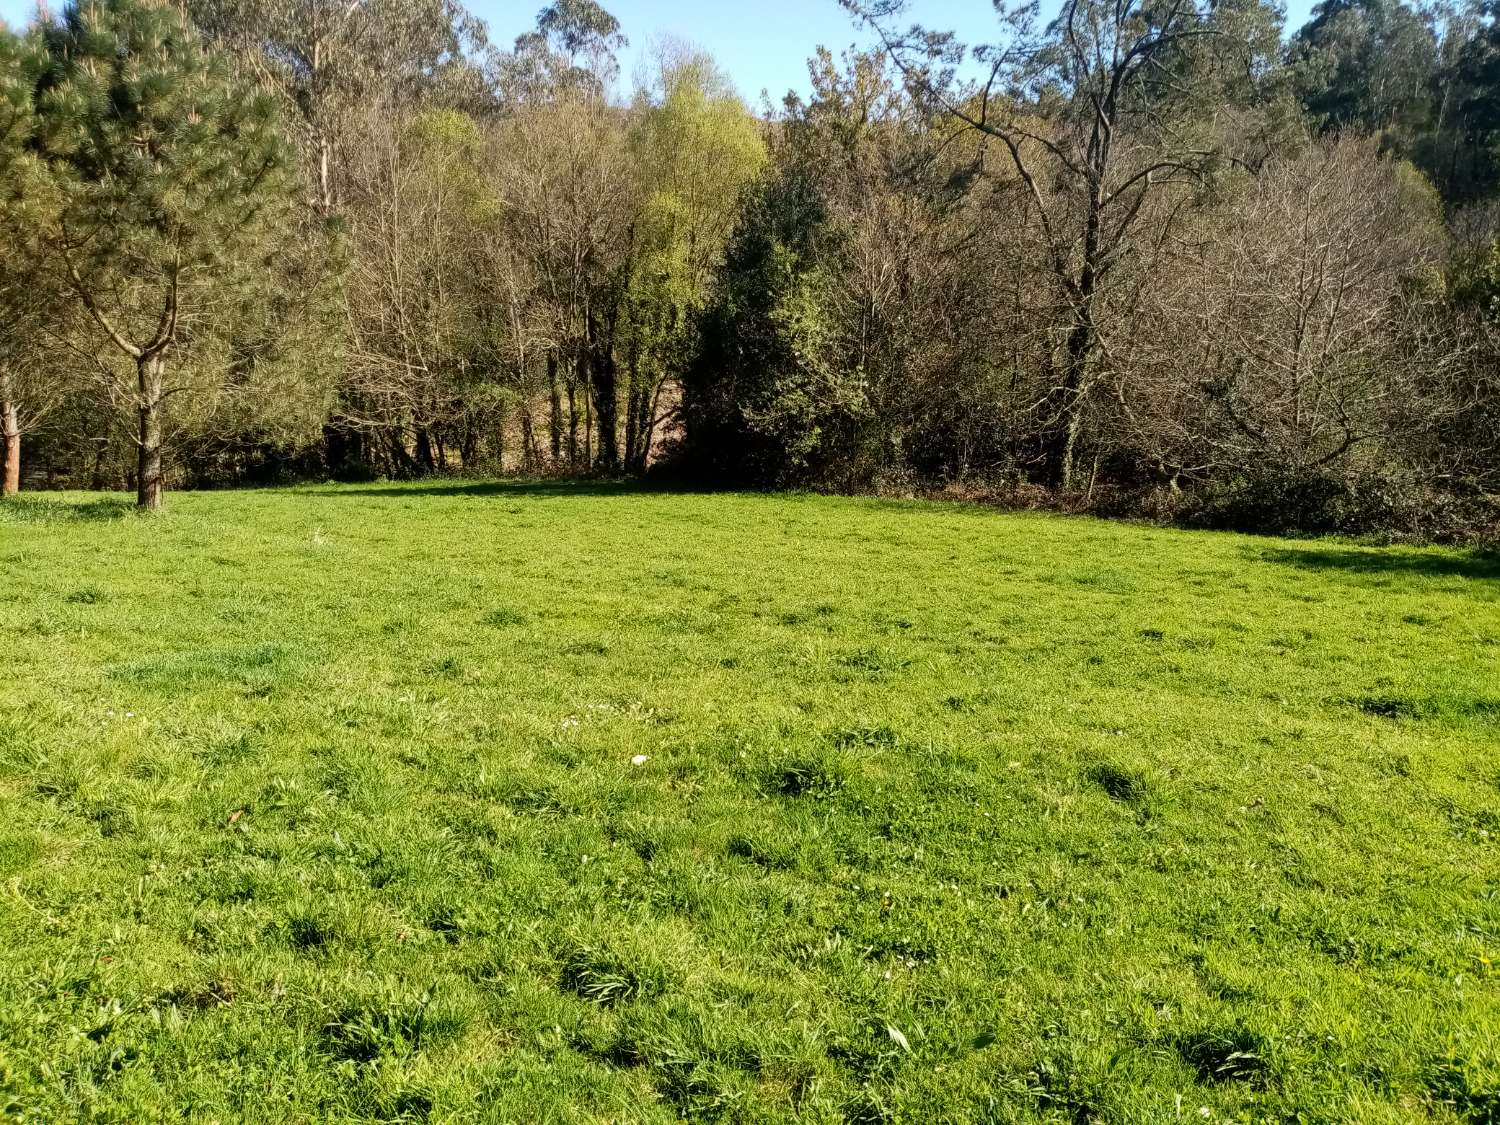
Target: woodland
{"x": 1171, "y": 260}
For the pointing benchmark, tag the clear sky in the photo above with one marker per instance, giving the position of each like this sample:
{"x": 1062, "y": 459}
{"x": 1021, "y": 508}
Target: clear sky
{"x": 763, "y": 44}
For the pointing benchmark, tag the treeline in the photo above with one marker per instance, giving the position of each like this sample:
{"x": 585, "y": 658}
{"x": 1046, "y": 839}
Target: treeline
{"x": 1140, "y": 260}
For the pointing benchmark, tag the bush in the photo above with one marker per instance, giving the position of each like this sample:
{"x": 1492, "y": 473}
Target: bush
{"x": 1393, "y": 505}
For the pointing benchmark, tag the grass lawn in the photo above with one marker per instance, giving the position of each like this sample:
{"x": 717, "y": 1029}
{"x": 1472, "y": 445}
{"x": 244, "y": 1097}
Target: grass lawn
{"x": 322, "y": 805}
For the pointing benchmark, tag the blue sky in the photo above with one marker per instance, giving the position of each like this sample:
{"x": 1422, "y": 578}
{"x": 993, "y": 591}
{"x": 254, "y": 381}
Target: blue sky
{"x": 763, "y": 44}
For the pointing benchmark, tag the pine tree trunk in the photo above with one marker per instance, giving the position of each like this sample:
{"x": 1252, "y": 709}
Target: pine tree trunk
{"x": 148, "y": 480}
{"x": 11, "y": 425}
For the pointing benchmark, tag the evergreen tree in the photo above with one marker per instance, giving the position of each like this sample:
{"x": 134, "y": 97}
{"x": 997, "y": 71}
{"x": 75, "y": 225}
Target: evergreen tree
{"x": 175, "y": 188}
{"x": 24, "y": 295}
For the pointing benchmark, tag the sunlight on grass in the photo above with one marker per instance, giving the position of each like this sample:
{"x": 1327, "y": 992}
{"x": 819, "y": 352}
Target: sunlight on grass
{"x": 520, "y": 802}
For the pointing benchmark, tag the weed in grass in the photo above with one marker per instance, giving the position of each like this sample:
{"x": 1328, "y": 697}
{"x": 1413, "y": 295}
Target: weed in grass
{"x": 503, "y": 618}
{"x": 1467, "y": 1086}
{"x": 390, "y": 1027}
{"x": 605, "y": 978}
{"x": 1121, "y": 784}
{"x": 1233, "y": 1053}
{"x": 1387, "y": 707}
{"x": 810, "y": 775}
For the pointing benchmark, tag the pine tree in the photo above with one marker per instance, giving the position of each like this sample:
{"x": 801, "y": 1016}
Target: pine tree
{"x": 21, "y": 194}
{"x": 175, "y": 187}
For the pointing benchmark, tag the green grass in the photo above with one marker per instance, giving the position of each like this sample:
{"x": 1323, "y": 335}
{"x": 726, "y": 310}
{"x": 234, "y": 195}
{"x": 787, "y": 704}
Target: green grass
{"x": 319, "y": 805}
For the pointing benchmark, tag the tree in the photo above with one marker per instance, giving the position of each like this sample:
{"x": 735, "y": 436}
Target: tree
{"x": 1109, "y": 107}
{"x": 567, "y": 197}
{"x": 18, "y": 183}
{"x": 1366, "y": 64}
{"x": 571, "y": 53}
{"x": 175, "y": 186}
{"x": 1272, "y": 344}
{"x": 420, "y": 212}
{"x": 695, "y": 147}
{"x": 330, "y": 59}
{"x": 864, "y": 308}
{"x": 1471, "y": 102}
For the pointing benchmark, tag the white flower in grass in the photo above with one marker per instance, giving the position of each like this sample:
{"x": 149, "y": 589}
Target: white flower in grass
{"x": 640, "y": 759}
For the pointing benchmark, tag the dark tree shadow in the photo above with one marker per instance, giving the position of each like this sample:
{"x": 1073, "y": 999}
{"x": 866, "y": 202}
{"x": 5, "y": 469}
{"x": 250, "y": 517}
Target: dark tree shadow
{"x": 1457, "y": 564}
{"x": 541, "y": 489}
{"x": 49, "y": 509}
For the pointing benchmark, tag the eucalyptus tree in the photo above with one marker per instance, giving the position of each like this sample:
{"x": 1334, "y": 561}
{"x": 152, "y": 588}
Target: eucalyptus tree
{"x": 329, "y": 60}
{"x": 1366, "y": 64}
{"x": 175, "y": 188}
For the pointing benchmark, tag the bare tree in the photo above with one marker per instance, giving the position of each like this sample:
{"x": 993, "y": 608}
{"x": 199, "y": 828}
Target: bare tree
{"x": 1270, "y": 335}
{"x": 1097, "y": 114}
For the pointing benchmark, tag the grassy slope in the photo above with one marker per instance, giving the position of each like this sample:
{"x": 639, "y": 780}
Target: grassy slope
{"x": 319, "y": 805}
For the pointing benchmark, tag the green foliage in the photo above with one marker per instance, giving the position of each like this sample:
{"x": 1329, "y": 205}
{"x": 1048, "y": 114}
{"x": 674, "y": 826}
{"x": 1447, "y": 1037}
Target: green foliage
{"x": 749, "y": 412}
{"x": 1365, "y": 64}
{"x": 26, "y": 203}
{"x": 19, "y": 64}
{"x": 509, "y": 802}
{"x": 170, "y": 171}
{"x": 696, "y": 146}
{"x": 329, "y": 59}
{"x": 571, "y": 53}
{"x": 838, "y": 325}
{"x": 179, "y": 221}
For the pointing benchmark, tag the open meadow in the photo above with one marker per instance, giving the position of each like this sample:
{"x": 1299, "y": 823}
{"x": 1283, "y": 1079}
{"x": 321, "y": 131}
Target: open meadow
{"x": 574, "y": 803}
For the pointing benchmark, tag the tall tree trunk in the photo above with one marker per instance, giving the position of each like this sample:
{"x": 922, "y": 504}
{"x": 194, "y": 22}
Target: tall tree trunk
{"x": 556, "y": 418}
{"x": 424, "y": 451}
{"x": 575, "y": 385}
{"x": 148, "y": 480}
{"x": 606, "y": 400}
{"x": 588, "y": 419}
{"x": 10, "y": 427}
{"x": 101, "y": 453}
{"x": 399, "y": 462}
{"x": 11, "y": 424}
{"x": 497, "y": 439}
{"x": 1063, "y": 440}
{"x": 528, "y": 441}
{"x": 632, "y": 409}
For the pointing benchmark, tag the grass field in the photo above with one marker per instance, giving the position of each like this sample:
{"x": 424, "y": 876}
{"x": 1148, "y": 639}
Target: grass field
{"x": 324, "y": 805}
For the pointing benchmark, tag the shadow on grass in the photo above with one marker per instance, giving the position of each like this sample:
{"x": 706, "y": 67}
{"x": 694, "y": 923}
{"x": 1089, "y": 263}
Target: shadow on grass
{"x": 1458, "y": 564}
{"x": 46, "y": 509}
{"x": 514, "y": 488}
